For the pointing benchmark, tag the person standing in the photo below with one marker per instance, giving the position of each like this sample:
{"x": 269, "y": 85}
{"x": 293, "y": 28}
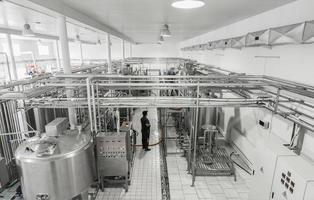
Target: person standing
{"x": 145, "y": 131}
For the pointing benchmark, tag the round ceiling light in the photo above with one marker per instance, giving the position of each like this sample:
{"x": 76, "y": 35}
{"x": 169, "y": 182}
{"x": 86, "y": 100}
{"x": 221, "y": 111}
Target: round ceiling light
{"x": 188, "y": 4}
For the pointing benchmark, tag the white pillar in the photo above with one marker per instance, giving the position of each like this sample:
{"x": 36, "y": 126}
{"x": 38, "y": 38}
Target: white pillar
{"x": 130, "y": 50}
{"x": 65, "y": 52}
{"x": 81, "y": 53}
{"x": 66, "y": 63}
{"x": 109, "y": 52}
{"x": 12, "y": 59}
{"x": 123, "y": 49}
{"x": 57, "y": 54}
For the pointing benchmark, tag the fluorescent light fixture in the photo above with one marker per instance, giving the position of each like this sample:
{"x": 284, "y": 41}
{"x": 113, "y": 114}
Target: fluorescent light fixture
{"x": 165, "y": 32}
{"x": 188, "y": 4}
{"x": 161, "y": 40}
{"x": 27, "y": 31}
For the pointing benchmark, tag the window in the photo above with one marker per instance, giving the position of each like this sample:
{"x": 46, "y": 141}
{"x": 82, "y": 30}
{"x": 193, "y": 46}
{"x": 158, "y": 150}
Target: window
{"x": 43, "y": 50}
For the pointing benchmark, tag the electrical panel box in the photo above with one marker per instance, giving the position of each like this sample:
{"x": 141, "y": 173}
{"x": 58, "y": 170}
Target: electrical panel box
{"x": 4, "y": 175}
{"x": 56, "y": 127}
{"x": 293, "y": 180}
{"x": 112, "y": 155}
{"x": 263, "y": 124}
{"x": 267, "y": 153}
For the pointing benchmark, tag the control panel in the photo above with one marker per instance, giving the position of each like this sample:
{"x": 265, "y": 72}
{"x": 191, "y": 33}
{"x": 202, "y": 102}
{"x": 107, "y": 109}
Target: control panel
{"x": 292, "y": 178}
{"x": 111, "y": 145}
{"x": 112, "y": 159}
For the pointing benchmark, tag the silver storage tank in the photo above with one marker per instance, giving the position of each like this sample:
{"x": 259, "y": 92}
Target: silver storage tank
{"x": 56, "y": 168}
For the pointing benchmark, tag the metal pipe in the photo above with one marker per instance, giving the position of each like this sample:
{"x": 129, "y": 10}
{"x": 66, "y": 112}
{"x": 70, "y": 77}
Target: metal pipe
{"x": 94, "y": 108}
{"x": 195, "y": 138}
{"x": 89, "y": 104}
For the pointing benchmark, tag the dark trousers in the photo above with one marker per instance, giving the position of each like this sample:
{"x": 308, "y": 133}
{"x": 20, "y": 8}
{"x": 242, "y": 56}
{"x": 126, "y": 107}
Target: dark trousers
{"x": 145, "y": 140}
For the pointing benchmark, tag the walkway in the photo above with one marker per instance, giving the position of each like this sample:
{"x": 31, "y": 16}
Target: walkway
{"x": 145, "y": 181}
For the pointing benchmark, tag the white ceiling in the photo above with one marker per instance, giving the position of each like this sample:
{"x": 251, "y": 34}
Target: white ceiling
{"x": 142, "y": 19}
{"x": 15, "y": 16}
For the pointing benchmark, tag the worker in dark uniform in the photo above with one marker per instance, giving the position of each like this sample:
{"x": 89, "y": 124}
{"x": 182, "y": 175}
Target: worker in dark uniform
{"x": 145, "y": 131}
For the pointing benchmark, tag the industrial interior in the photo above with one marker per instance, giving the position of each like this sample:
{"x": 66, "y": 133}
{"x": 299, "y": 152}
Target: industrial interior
{"x": 156, "y": 100}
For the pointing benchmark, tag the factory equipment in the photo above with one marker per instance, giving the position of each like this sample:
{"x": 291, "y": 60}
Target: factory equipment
{"x": 113, "y": 157}
{"x": 267, "y": 155}
{"x": 56, "y": 168}
{"x": 4, "y": 175}
{"x": 56, "y": 127}
{"x": 293, "y": 179}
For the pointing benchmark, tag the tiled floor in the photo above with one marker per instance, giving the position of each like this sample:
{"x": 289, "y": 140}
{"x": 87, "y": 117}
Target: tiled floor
{"x": 209, "y": 188}
{"x": 206, "y": 188}
{"x": 145, "y": 182}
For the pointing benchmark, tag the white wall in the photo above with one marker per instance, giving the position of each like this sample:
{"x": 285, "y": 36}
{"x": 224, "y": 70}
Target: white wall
{"x": 156, "y": 50}
{"x": 296, "y": 63}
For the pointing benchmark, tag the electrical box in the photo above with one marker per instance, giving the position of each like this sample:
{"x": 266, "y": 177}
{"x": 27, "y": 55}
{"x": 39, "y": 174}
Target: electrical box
{"x": 112, "y": 155}
{"x": 263, "y": 124}
{"x": 4, "y": 175}
{"x": 293, "y": 180}
{"x": 56, "y": 127}
{"x": 267, "y": 153}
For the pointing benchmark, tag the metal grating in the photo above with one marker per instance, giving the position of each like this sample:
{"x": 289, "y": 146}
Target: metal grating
{"x": 218, "y": 164}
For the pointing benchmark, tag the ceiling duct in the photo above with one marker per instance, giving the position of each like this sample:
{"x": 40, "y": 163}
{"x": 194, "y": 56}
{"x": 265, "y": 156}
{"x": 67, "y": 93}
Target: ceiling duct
{"x": 202, "y": 47}
{"x": 210, "y": 46}
{"x": 301, "y": 33}
{"x": 290, "y": 34}
{"x": 308, "y": 35}
{"x": 238, "y": 42}
{"x": 259, "y": 38}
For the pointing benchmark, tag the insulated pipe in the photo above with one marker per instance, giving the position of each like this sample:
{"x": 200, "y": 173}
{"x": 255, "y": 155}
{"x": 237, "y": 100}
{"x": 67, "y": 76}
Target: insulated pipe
{"x": 66, "y": 63}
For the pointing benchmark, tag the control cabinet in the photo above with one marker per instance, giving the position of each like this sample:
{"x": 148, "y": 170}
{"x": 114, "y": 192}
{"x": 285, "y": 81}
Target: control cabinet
{"x": 267, "y": 153}
{"x": 294, "y": 179}
{"x": 112, "y": 153}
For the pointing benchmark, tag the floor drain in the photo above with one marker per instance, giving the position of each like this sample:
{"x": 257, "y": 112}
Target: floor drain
{"x": 165, "y": 191}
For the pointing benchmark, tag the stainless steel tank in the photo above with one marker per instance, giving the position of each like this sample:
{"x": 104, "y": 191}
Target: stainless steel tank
{"x": 56, "y": 168}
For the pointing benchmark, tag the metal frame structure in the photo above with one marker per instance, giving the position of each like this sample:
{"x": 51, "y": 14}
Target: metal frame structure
{"x": 94, "y": 91}
{"x": 300, "y": 33}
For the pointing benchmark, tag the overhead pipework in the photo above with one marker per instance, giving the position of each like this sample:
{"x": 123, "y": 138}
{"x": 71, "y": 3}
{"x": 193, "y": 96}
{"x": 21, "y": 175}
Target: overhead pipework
{"x": 97, "y": 98}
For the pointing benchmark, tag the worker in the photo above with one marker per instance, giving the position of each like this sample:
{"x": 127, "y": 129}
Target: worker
{"x": 145, "y": 131}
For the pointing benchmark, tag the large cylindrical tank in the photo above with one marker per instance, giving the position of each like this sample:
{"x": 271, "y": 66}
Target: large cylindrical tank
{"x": 56, "y": 168}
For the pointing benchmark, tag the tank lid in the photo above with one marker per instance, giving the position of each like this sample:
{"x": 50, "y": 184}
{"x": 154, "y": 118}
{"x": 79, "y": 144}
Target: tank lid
{"x": 48, "y": 147}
